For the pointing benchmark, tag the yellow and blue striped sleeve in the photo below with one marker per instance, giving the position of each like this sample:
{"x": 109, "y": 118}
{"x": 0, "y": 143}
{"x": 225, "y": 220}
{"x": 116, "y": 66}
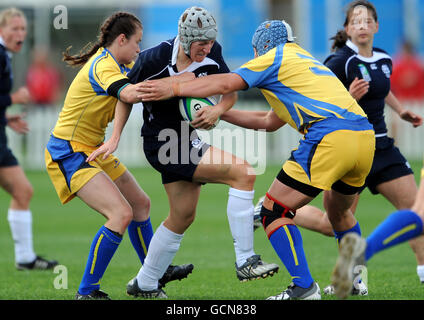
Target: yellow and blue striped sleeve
{"x": 261, "y": 70}
{"x": 104, "y": 71}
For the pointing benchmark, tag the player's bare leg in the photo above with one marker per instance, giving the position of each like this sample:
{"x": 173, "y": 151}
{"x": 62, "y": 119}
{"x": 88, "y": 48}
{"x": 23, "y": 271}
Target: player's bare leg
{"x": 218, "y": 166}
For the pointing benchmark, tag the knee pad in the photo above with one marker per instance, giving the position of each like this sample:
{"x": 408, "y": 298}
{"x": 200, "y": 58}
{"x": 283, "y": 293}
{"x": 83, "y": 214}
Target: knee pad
{"x": 278, "y": 211}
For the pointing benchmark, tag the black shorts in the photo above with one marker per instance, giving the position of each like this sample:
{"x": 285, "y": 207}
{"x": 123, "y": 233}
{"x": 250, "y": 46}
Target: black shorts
{"x": 175, "y": 158}
{"x": 7, "y": 159}
{"x": 388, "y": 164}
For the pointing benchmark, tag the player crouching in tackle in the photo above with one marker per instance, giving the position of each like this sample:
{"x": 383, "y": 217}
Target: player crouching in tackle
{"x": 335, "y": 153}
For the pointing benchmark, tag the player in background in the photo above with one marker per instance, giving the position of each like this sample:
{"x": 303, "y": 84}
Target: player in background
{"x": 365, "y": 71}
{"x": 104, "y": 184}
{"x": 13, "y": 31}
{"x": 335, "y": 153}
{"x": 193, "y": 51}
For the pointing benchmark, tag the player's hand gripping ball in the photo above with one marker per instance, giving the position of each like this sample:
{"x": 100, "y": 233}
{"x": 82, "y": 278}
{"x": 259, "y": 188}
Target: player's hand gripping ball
{"x": 189, "y": 107}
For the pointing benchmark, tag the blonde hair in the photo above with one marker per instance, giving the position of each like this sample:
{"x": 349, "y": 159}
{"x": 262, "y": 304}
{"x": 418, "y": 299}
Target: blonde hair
{"x": 8, "y": 13}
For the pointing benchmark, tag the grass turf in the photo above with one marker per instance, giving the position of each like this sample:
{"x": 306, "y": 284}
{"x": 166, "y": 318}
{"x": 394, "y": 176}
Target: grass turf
{"x": 65, "y": 233}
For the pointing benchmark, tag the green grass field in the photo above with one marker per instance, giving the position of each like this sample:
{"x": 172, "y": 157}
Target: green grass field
{"x": 65, "y": 233}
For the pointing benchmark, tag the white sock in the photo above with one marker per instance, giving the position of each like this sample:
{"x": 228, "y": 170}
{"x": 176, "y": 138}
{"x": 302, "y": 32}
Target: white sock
{"x": 20, "y": 222}
{"x": 240, "y": 217}
{"x": 420, "y": 272}
{"x": 162, "y": 249}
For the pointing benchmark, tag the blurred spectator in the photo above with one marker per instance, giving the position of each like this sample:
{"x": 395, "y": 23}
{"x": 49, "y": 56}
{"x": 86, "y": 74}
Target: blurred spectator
{"x": 407, "y": 80}
{"x": 44, "y": 81}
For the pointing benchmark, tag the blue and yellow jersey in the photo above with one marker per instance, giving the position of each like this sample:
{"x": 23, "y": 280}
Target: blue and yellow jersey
{"x": 91, "y": 99}
{"x": 299, "y": 89}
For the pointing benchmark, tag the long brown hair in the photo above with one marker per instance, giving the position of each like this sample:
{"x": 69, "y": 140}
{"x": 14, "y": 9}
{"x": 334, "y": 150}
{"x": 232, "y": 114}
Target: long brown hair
{"x": 339, "y": 40}
{"x": 118, "y": 23}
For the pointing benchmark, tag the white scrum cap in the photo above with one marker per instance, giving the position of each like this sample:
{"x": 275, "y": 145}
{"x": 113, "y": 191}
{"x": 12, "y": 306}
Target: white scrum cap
{"x": 196, "y": 24}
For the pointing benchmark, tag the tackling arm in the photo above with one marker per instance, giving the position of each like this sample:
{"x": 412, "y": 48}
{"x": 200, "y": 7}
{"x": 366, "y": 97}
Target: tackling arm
{"x": 200, "y": 87}
{"x": 256, "y": 120}
{"x": 122, "y": 112}
{"x": 130, "y": 93}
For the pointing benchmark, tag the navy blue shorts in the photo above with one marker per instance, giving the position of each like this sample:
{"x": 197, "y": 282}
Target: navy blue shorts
{"x": 7, "y": 159}
{"x": 176, "y": 158}
{"x": 388, "y": 164}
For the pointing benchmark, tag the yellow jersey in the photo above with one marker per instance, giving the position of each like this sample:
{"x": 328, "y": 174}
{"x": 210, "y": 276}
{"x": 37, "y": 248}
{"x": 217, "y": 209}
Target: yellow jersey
{"x": 299, "y": 88}
{"x": 89, "y": 104}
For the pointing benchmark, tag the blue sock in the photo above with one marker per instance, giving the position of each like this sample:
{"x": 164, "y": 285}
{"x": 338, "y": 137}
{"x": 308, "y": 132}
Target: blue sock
{"x": 340, "y": 234}
{"x": 140, "y": 234}
{"x": 102, "y": 249}
{"x": 399, "y": 227}
{"x": 288, "y": 244}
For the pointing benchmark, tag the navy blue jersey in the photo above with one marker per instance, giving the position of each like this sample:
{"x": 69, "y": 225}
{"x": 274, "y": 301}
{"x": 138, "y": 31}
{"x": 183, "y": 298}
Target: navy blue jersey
{"x": 347, "y": 64}
{"x": 5, "y": 89}
{"x": 160, "y": 62}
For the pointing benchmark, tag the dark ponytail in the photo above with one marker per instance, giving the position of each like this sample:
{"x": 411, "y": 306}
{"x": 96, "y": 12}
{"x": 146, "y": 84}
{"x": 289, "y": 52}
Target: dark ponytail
{"x": 118, "y": 23}
{"x": 339, "y": 40}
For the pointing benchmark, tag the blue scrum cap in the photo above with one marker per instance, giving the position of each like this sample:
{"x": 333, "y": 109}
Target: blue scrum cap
{"x": 270, "y": 34}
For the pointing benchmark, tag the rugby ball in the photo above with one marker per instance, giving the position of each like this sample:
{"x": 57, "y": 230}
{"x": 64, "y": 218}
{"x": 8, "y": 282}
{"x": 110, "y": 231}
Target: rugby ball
{"x": 189, "y": 107}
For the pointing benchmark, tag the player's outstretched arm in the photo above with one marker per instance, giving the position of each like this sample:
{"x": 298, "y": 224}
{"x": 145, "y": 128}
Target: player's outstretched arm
{"x": 122, "y": 112}
{"x": 256, "y": 120}
{"x": 403, "y": 113}
{"x": 224, "y": 83}
{"x": 186, "y": 76}
{"x": 131, "y": 92}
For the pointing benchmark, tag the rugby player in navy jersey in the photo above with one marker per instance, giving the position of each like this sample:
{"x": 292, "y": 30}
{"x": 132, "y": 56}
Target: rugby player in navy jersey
{"x": 193, "y": 53}
{"x": 13, "y": 30}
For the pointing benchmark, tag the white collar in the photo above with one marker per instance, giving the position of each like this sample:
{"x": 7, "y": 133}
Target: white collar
{"x": 375, "y": 55}
{"x": 351, "y": 45}
{"x": 175, "y": 50}
{"x": 4, "y": 45}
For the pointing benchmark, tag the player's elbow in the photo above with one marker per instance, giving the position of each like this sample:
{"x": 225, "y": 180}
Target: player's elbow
{"x": 128, "y": 94}
{"x": 225, "y": 87}
{"x": 230, "y": 83}
{"x": 124, "y": 97}
{"x": 128, "y": 98}
{"x": 271, "y": 128}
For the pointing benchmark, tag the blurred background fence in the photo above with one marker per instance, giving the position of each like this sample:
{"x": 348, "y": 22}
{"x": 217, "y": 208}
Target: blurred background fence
{"x": 55, "y": 25}
{"x": 269, "y": 148}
